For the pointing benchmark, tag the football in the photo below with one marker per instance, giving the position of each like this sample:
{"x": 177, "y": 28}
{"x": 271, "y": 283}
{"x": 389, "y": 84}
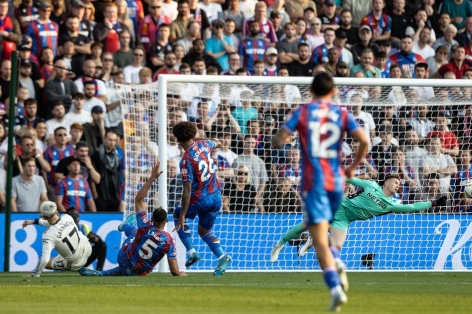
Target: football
{"x": 468, "y": 188}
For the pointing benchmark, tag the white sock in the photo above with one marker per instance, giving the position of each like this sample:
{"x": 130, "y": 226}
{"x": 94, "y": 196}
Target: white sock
{"x": 191, "y": 251}
{"x": 332, "y": 291}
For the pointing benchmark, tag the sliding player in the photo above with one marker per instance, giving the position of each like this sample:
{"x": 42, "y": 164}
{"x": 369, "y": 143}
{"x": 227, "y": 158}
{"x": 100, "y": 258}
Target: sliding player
{"x": 62, "y": 234}
{"x": 321, "y": 126}
{"x": 201, "y": 194}
{"x": 371, "y": 201}
{"x": 146, "y": 244}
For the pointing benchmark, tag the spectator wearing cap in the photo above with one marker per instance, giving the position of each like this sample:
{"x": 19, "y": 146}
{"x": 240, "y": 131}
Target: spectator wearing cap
{"x": 271, "y": 62}
{"x": 417, "y": 24}
{"x": 276, "y": 20}
{"x": 76, "y": 131}
{"x": 342, "y": 69}
{"x": 329, "y": 18}
{"x": 237, "y": 15}
{"x": 333, "y": 57}
{"x": 320, "y": 53}
{"x": 148, "y": 30}
{"x": 288, "y": 47}
{"x": 77, "y": 8}
{"x": 27, "y": 82}
{"x": 60, "y": 88}
{"x": 108, "y": 32}
{"x": 303, "y": 66}
{"x": 88, "y": 69}
{"x": 198, "y": 52}
{"x": 400, "y": 21}
{"x": 366, "y": 65}
{"x": 365, "y": 34}
{"x": 340, "y": 43}
{"x": 295, "y": 8}
{"x": 24, "y": 53}
{"x": 73, "y": 191}
{"x": 456, "y": 65}
{"x": 421, "y": 46}
{"x": 279, "y": 8}
{"x": 26, "y": 12}
{"x": 28, "y": 189}
{"x": 266, "y": 29}
{"x": 219, "y": 46}
{"x": 358, "y": 9}
{"x": 43, "y": 31}
{"x": 77, "y": 112}
{"x": 10, "y": 31}
{"x": 94, "y": 132}
{"x": 380, "y": 23}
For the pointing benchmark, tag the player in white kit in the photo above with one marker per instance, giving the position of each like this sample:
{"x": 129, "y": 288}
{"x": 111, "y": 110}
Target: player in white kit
{"x": 62, "y": 234}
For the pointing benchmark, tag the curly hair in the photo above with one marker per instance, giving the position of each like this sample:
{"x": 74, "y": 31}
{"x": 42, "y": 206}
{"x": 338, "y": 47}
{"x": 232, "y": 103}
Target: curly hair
{"x": 184, "y": 131}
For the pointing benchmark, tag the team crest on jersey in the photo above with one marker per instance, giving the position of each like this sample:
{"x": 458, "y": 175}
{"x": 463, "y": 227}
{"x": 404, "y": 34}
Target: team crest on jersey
{"x": 184, "y": 172}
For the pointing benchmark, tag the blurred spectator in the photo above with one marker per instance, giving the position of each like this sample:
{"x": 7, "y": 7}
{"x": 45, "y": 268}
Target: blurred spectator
{"x": 292, "y": 168}
{"x": 77, "y": 113}
{"x": 219, "y": 45}
{"x": 366, "y": 64}
{"x": 464, "y": 173}
{"x": 193, "y": 33}
{"x": 340, "y": 43}
{"x": 174, "y": 185}
{"x": 201, "y": 17}
{"x": 456, "y": 65}
{"x": 421, "y": 45}
{"x": 87, "y": 168}
{"x": 178, "y": 28}
{"x": 408, "y": 182}
{"x": 131, "y": 71}
{"x": 225, "y": 151}
{"x": 26, "y": 12}
{"x": 448, "y": 39}
{"x": 109, "y": 166}
{"x": 228, "y": 30}
{"x": 400, "y": 20}
{"x": 303, "y": 66}
{"x": 43, "y": 31}
{"x": 28, "y": 149}
{"x": 459, "y": 10}
{"x": 5, "y": 78}
{"x": 270, "y": 62}
{"x": 233, "y": 61}
{"x": 83, "y": 12}
{"x": 366, "y": 170}
{"x": 443, "y": 21}
{"x": 279, "y": 8}
{"x": 30, "y": 117}
{"x": 345, "y": 26}
{"x": 9, "y": 31}
{"x": 40, "y": 128}
{"x": 59, "y": 119}
{"x": 295, "y": 8}
{"x": 330, "y": 66}
{"x": 431, "y": 190}
{"x": 247, "y": 7}
{"x": 276, "y": 20}
{"x": 417, "y": 24}
{"x": 100, "y": 89}
{"x": 212, "y": 9}
{"x": 28, "y": 189}
{"x": 379, "y": 22}
{"x": 365, "y": 36}
{"x": 266, "y": 29}
{"x": 364, "y": 118}
{"x": 320, "y": 54}
{"x": 436, "y": 62}
{"x": 94, "y": 132}
{"x": 235, "y": 14}
{"x": 148, "y": 31}
{"x": 76, "y": 131}
{"x": 329, "y": 18}
{"x": 435, "y": 161}
{"x": 108, "y": 32}
{"x": 197, "y": 53}
{"x": 108, "y": 68}
{"x": 224, "y": 170}
{"x": 449, "y": 142}
{"x": 316, "y": 36}
{"x": 382, "y": 152}
{"x": 159, "y": 48}
{"x": 359, "y": 9}
{"x": 406, "y": 59}
{"x": 424, "y": 92}
{"x": 123, "y": 56}
{"x": 25, "y": 80}
{"x": 168, "y": 68}
{"x": 239, "y": 195}
{"x": 82, "y": 45}
{"x": 464, "y": 37}
{"x": 246, "y": 112}
{"x": 421, "y": 124}
{"x": 281, "y": 197}
{"x": 73, "y": 191}
{"x": 461, "y": 125}
{"x": 252, "y": 47}
{"x": 288, "y": 47}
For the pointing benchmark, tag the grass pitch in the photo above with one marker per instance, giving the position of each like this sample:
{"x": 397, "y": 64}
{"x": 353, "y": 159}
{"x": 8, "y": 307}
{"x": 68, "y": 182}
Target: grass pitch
{"x": 370, "y": 292}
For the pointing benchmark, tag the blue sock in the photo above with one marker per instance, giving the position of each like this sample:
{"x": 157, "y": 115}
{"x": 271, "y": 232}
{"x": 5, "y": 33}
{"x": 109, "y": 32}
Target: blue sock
{"x": 185, "y": 235}
{"x": 127, "y": 229}
{"x": 330, "y": 275}
{"x": 214, "y": 243}
{"x": 335, "y": 251}
{"x": 112, "y": 272}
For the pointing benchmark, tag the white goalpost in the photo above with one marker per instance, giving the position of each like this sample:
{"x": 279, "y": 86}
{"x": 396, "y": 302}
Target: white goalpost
{"x": 258, "y": 210}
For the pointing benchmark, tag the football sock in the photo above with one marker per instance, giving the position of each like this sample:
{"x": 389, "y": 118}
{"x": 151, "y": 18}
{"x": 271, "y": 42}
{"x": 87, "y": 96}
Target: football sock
{"x": 293, "y": 233}
{"x": 335, "y": 252}
{"x": 112, "y": 272}
{"x": 127, "y": 229}
{"x": 214, "y": 243}
{"x": 185, "y": 235}
{"x": 330, "y": 275}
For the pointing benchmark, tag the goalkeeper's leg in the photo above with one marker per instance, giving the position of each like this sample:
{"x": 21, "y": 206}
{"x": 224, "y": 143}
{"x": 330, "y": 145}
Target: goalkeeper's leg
{"x": 294, "y": 233}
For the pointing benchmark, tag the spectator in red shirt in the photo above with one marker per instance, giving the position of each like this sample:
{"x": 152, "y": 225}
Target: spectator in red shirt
{"x": 449, "y": 139}
{"x": 456, "y": 65}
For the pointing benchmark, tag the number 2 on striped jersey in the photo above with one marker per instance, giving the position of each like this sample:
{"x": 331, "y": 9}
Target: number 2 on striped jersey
{"x": 207, "y": 168}
{"x": 320, "y": 148}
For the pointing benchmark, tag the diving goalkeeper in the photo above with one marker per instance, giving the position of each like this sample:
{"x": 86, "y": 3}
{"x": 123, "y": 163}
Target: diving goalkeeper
{"x": 369, "y": 202}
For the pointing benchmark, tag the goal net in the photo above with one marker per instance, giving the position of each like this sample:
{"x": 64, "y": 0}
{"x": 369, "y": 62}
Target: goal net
{"x": 419, "y": 129}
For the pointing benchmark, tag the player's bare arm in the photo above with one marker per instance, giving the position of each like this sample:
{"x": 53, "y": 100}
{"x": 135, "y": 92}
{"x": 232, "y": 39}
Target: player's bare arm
{"x": 143, "y": 191}
{"x": 174, "y": 267}
{"x": 280, "y": 138}
{"x": 364, "y": 142}
{"x": 186, "y": 192}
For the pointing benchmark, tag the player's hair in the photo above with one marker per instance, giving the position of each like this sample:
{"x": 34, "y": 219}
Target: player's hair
{"x": 30, "y": 101}
{"x": 391, "y": 176}
{"x": 228, "y": 20}
{"x": 184, "y": 131}
{"x": 159, "y": 215}
{"x": 111, "y": 131}
{"x": 431, "y": 176}
{"x": 283, "y": 67}
{"x": 309, "y": 9}
{"x": 322, "y": 84}
{"x": 182, "y": 2}
{"x": 26, "y": 160}
{"x": 59, "y": 128}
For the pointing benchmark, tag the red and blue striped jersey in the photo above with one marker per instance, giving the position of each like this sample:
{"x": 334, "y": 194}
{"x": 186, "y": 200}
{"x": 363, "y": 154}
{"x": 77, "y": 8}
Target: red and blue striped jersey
{"x": 140, "y": 161}
{"x": 266, "y": 29}
{"x": 321, "y": 125}
{"x": 197, "y": 166}
{"x": 75, "y": 193}
{"x": 149, "y": 245}
{"x": 45, "y": 72}
{"x": 53, "y": 155}
{"x": 380, "y": 27}
{"x": 407, "y": 62}
{"x": 29, "y": 14}
{"x": 268, "y": 72}
{"x": 320, "y": 54}
{"x": 294, "y": 174}
{"x": 251, "y": 50}
{"x": 43, "y": 35}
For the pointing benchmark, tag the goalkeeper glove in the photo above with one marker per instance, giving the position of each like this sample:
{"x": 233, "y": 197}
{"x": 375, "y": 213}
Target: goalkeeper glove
{"x": 440, "y": 201}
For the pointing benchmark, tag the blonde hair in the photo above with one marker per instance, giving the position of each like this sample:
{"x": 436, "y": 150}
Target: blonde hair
{"x": 25, "y": 132}
{"x": 247, "y": 177}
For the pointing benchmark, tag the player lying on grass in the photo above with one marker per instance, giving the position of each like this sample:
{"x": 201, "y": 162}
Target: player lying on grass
{"x": 371, "y": 201}
{"x": 147, "y": 243}
{"x": 201, "y": 194}
{"x": 62, "y": 234}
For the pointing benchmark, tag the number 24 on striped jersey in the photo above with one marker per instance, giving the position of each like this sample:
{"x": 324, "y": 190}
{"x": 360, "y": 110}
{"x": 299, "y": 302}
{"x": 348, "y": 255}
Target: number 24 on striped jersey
{"x": 207, "y": 168}
{"x": 320, "y": 148}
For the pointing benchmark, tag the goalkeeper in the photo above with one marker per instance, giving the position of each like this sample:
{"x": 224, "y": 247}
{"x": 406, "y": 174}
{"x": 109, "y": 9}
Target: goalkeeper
{"x": 369, "y": 202}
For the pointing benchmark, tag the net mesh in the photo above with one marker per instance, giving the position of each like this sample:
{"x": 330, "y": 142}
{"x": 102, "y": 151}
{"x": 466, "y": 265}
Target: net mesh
{"x": 420, "y": 133}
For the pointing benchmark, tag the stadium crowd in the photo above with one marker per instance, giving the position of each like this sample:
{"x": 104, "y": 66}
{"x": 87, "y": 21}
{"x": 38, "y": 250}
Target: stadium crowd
{"x": 69, "y": 122}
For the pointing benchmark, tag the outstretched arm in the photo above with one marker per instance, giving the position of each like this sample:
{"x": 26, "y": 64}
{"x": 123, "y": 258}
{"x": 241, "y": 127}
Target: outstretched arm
{"x": 416, "y": 207}
{"x": 174, "y": 267}
{"x": 139, "y": 204}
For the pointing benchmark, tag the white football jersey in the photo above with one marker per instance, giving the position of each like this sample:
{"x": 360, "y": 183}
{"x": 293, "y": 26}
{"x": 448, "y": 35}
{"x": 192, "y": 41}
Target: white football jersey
{"x": 65, "y": 237}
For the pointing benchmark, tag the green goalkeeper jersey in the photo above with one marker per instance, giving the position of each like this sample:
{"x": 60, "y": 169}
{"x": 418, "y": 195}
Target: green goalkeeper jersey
{"x": 372, "y": 202}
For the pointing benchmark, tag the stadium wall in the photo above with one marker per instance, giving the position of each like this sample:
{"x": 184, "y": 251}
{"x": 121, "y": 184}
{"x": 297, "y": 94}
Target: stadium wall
{"x": 399, "y": 242}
